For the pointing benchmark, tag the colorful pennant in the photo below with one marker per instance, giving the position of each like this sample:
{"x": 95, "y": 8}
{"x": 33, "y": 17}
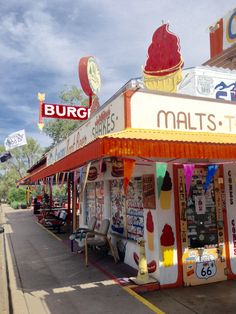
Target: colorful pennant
{"x": 188, "y": 173}
{"x": 160, "y": 174}
{"x": 128, "y": 170}
{"x": 211, "y": 170}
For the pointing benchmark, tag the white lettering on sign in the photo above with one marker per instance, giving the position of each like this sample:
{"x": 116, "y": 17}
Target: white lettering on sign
{"x": 109, "y": 119}
{"x": 182, "y": 114}
{"x": 65, "y": 112}
{"x": 205, "y": 267}
{"x": 49, "y": 110}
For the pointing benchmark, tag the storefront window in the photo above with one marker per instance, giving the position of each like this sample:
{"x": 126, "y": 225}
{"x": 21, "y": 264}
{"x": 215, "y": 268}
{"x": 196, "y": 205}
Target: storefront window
{"x": 201, "y": 213}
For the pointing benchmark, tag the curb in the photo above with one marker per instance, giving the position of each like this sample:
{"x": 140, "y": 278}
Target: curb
{"x": 4, "y": 287}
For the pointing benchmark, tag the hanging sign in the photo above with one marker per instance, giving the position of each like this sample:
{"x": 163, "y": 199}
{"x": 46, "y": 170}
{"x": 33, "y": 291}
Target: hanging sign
{"x": 59, "y": 111}
{"x": 223, "y": 33}
{"x": 89, "y": 76}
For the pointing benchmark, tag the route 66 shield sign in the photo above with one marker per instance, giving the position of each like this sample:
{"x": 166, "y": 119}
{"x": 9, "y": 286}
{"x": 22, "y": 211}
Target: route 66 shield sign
{"x": 205, "y": 269}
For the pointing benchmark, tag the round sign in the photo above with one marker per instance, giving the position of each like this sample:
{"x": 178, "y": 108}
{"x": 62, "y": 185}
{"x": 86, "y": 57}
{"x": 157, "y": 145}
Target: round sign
{"x": 89, "y": 76}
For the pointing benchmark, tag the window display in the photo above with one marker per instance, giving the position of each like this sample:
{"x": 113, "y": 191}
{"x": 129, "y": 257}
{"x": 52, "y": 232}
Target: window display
{"x": 201, "y": 213}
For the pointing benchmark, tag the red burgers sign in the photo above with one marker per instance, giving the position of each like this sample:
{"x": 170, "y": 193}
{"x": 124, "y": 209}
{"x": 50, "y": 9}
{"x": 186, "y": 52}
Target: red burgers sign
{"x": 65, "y": 112}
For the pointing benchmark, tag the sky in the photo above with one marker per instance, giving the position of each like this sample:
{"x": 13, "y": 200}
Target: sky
{"x": 41, "y": 43}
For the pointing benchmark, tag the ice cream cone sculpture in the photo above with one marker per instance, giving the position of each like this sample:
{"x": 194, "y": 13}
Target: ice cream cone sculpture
{"x": 167, "y": 246}
{"x": 165, "y": 195}
{"x": 163, "y": 69}
{"x": 150, "y": 229}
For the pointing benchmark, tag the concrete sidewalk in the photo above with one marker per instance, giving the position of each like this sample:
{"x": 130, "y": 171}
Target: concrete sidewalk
{"x": 45, "y": 277}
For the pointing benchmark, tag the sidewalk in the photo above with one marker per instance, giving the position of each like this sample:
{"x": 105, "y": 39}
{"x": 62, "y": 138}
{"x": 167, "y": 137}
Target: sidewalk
{"x": 45, "y": 277}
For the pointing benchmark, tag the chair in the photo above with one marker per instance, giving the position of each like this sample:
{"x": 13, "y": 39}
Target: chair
{"x": 99, "y": 239}
{"x": 79, "y": 234}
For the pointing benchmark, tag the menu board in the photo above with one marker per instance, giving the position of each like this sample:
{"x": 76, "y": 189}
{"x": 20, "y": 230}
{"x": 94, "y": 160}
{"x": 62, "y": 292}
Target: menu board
{"x": 134, "y": 210}
{"x": 117, "y": 206}
{"x": 149, "y": 198}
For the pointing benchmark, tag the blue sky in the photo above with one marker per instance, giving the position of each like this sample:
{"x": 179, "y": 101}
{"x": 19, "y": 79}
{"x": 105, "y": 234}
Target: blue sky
{"x": 41, "y": 43}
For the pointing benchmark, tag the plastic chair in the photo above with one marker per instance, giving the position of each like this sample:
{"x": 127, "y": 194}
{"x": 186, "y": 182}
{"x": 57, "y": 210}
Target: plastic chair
{"x": 99, "y": 240}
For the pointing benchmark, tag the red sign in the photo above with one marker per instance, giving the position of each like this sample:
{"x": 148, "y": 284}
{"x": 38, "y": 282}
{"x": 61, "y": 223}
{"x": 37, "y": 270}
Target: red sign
{"x": 89, "y": 76}
{"x": 65, "y": 112}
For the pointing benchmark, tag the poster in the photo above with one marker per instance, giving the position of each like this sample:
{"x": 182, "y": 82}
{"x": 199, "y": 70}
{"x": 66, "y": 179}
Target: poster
{"x": 90, "y": 201}
{"x": 134, "y": 210}
{"x": 117, "y": 206}
{"x": 95, "y": 201}
{"x": 99, "y": 191}
{"x": 149, "y": 198}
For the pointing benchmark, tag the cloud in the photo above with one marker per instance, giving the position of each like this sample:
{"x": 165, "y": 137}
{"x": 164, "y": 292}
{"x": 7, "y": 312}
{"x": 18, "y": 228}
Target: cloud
{"x": 42, "y": 42}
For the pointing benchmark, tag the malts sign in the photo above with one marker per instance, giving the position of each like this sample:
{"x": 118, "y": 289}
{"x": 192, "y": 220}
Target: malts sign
{"x": 65, "y": 112}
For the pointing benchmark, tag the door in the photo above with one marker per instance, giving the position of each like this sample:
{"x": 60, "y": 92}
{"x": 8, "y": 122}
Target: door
{"x": 202, "y": 228}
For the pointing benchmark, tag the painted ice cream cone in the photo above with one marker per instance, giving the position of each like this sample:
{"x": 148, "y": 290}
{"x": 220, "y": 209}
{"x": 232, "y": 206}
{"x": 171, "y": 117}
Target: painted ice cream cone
{"x": 150, "y": 240}
{"x": 165, "y": 195}
{"x": 167, "y": 246}
{"x": 163, "y": 67}
{"x": 168, "y": 255}
{"x": 150, "y": 229}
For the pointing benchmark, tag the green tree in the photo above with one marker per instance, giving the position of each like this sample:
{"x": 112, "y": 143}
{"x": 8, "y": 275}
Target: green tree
{"x": 14, "y": 168}
{"x": 59, "y": 129}
{"x": 24, "y": 157}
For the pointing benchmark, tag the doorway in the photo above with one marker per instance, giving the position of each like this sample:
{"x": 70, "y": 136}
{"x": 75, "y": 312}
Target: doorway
{"x": 202, "y": 228}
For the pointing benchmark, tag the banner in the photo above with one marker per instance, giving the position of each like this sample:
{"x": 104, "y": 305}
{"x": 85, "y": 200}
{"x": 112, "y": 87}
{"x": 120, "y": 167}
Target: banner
{"x": 188, "y": 173}
{"x": 160, "y": 174}
{"x": 128, "y": 170}
{"x": 14, "y": 140}
{"x": 211, "y": 170}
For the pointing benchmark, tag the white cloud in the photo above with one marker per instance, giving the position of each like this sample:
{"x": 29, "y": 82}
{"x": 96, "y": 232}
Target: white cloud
{"x": 42, "y": 42}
